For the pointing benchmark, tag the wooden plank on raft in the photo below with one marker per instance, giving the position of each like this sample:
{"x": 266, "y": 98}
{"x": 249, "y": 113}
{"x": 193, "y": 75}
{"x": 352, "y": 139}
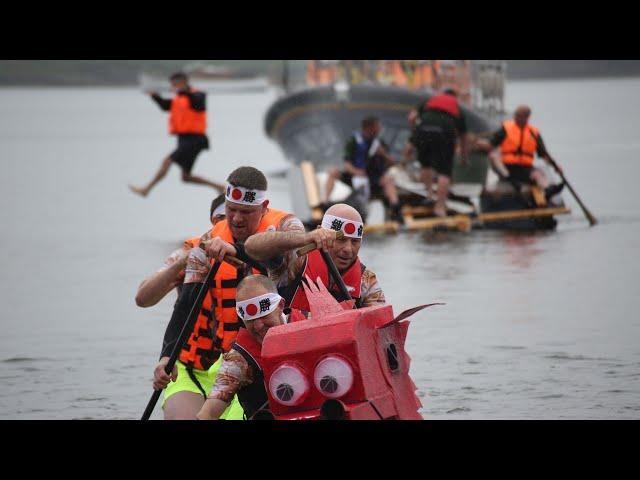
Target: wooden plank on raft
{"x": 455, "y": 222}
{"x": 417, "y": 211}
{"x": 312, "y": 189}
{"x": 462, "y": 222}
{"x": 520, "y": 214}
{"x": 386, "y": 227}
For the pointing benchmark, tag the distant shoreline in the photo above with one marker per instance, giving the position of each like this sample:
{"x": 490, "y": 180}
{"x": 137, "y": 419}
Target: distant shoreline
{"x": 106, "y": 73}
{"x": 128, "y": 86}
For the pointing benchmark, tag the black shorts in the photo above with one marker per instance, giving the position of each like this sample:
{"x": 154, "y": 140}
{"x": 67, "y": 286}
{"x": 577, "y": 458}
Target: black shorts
{"x": 189, "y": 146}
{"x": 520, "y": 173}
{"x": 435, "y": 149}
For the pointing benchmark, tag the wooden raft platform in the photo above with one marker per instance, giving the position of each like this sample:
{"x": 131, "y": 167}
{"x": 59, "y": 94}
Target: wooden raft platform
{"x": 461, "y": 222}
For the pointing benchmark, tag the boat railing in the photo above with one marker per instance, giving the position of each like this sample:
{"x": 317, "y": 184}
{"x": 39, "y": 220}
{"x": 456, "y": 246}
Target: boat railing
{"x": 488, "y": 80}
{"x": 480, "y": 84}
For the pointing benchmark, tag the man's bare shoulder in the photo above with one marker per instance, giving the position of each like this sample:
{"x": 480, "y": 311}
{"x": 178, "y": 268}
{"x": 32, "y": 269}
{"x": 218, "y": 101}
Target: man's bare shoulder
{"x": 372, "y": 293}
{"x": 291, "y": 223}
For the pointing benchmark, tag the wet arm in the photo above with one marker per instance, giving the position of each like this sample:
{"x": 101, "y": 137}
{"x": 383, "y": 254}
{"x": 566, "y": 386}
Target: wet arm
{"x": 267, "y": 245}
{"x": 233, "y": 375}
{"x": 383, "y": 151}
{"x": 542, "y": 151}
{"x": 163, "y": 103}
{"x": 353, "y": 170}
{"x": 154, "y": 288}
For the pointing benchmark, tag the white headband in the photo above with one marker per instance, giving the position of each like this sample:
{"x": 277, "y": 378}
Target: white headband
{"x": 350, "y": 228}
{"x": 245, "y": 196}
{"x": 257, "y": 307}
{"x": 220, "y": 210}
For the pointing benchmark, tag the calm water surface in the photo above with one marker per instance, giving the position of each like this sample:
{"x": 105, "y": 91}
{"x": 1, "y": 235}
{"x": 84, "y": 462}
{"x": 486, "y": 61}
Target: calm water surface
{"x": 535, "y": 326}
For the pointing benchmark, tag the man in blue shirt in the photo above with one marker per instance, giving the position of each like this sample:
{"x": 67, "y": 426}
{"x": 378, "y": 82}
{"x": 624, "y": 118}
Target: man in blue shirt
{"x": 366, "y": 158}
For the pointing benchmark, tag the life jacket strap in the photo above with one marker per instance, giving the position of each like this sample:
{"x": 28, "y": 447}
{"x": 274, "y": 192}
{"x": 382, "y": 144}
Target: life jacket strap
{"x": 193, "y": 378}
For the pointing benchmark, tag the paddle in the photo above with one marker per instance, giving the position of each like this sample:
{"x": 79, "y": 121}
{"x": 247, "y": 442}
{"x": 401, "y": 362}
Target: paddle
{"x": 333, "y": 270}
{"x": 312, "y": 246}
{"x": 590, "y": 217}
{"x": 184, "y": 334}
{"x": 335, "y": 274}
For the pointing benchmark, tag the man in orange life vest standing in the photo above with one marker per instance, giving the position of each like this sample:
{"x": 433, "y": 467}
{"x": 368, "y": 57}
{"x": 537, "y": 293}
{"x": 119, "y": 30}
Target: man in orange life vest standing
{"x": 519, "y": 141}
{"x": 437, "y": 123}
{"x": 287, "y": 270}
{"x": 188, "y": 120}
{"x": 247, "y": 212}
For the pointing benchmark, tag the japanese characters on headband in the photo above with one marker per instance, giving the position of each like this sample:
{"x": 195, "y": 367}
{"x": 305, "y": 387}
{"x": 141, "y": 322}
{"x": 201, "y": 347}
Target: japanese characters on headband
{"x": 350, "y": 228}
{"x": 257, "y": 307}
{"x": 245, "y": 196}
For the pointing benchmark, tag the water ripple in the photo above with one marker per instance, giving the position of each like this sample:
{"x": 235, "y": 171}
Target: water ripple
{"x": 25, "y": 359}
{"x": 459, "y": 410}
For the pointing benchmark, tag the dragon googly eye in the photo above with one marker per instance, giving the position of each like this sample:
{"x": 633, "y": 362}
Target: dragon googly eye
{"x": 333, "y": 377}
{"x": 288, "y": 385}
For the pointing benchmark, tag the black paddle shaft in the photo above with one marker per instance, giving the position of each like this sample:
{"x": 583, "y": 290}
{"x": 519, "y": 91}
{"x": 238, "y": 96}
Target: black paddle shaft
{"x": 333, "y": 270}
{"x": 184, "y": 334}
{"x": 585, "y": 210}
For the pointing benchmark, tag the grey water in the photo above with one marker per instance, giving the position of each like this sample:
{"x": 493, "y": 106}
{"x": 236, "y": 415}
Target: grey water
{"x": 535, "y": 326}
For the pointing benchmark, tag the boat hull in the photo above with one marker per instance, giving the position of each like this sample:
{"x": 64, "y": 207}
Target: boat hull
{"x": 314, "y": 124}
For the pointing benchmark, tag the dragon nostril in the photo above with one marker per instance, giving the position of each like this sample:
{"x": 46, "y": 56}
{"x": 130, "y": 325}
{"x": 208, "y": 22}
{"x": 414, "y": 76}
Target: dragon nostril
{"x": 328, "y": 384}
{"x": 332, "y": 410}
{"x": 284, "y": 392}
{"x": 392, "y": 357}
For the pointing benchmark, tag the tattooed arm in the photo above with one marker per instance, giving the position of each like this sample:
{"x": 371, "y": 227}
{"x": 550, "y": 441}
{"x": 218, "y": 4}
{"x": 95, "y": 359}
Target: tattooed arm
{"x": 267, "y": 245}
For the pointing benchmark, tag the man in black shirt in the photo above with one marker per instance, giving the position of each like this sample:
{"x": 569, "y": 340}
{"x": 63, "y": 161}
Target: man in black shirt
{"x": 437, "y": 123}
{"x": 187, "y": 120}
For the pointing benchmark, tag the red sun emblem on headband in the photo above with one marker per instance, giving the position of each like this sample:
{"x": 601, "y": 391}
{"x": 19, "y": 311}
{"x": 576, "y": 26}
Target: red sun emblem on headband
{"x": 349, "y": 228}
{"x": 236, "y": 194}
{"x": 252, "y": 309}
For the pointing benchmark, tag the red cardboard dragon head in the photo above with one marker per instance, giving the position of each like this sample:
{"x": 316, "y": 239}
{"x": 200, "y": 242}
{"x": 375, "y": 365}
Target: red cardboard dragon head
{"x": 340, "y": 364}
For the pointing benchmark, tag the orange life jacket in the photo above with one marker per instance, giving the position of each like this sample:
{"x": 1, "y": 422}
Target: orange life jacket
{"x": 216, "y": 328}
{"x": 184, "y": 119}
{"x": 192, "y": 242}
{"x": 315, "y": 267}
{"x": 445, "y": 103}
{"x": 325, "y": 74}
{"x": 311, "y": 72}
{"x": 424, "y": 74}
{"x": 399, "y": 76}
{"x": 519, "y": 145}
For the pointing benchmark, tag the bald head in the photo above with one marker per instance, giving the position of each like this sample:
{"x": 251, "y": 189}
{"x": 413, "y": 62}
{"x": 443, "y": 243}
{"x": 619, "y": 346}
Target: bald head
{"x": 344, "y": 211}
{"x": 253, "y": 286}
{"x": 521, "y": 115}
{"x": 344, "y": 251}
